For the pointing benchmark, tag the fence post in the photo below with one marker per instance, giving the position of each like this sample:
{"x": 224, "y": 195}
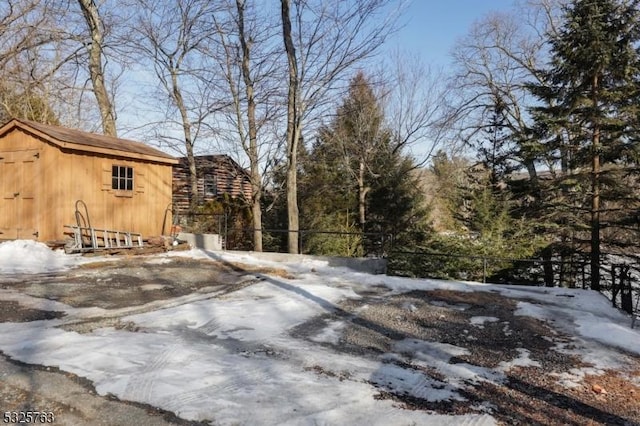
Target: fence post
{"x": 484, "y": 269}
{"x": 226, "y": 229}
{"x": 626, "y": 290}
{"x": 614, "y": 288}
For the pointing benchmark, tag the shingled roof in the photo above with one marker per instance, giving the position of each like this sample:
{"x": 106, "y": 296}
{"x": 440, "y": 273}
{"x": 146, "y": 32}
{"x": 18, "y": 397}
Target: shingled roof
{"x": 90, "y": 142}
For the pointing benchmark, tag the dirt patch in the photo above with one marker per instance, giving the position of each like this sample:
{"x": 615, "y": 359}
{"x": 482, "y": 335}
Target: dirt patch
{"x": 134, "y": 282}
{"x": 13, "y": 312}
{"x": 485, "y": 325}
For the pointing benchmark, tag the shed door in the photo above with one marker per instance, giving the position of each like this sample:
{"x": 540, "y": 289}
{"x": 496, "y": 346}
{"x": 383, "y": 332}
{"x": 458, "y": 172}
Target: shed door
{"x": 18, "y": 214}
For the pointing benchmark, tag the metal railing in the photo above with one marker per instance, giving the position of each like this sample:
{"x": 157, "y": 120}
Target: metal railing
{"x": 619, "y": 282}
{"x": 361, "y": 244}
{"x": 571, "y": 272}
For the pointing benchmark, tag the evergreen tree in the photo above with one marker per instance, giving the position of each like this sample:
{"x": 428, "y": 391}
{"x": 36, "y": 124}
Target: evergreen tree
{"x": 327, "y": 200}
{"x": 483, "y": 221}
{"x": 497, "y": 152}
{"x": 591, "y": 98}
{"x": 357, "y": 180}
{"x": 396, "y": 206}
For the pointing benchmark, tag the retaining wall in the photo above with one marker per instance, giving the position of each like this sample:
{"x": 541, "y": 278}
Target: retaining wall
{"x": 213, "y": 242}
{"x": 360, "y": 264}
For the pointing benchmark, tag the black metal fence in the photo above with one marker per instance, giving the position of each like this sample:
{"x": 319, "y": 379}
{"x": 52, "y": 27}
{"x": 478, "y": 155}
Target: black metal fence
{"x": 619, "y": 281}
{"x": 341, "y": 243}
{"x": 569, "y": 272}
{"x": 622, "y": 285}
{"x": 237, "y": 236}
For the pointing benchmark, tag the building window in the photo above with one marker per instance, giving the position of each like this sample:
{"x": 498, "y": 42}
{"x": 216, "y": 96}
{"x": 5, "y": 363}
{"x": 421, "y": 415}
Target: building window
{"x": 122, "y": 178}
{"x": 210, "y": 186}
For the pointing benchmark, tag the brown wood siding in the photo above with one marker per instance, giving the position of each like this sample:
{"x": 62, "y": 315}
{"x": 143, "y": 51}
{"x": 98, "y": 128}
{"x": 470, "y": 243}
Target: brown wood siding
{"x": 229, "y": 177}
{"x": 63, "y": 177}
{"x": 20, "y": 174}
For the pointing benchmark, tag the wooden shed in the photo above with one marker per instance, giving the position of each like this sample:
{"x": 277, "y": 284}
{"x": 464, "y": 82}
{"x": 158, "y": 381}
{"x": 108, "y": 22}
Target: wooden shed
{"x": 45, "y": 170}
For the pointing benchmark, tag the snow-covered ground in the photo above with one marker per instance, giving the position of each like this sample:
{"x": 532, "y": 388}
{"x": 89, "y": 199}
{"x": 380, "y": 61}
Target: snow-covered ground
{"x": 30, "y": 257}
{"x": 232, "y": 360}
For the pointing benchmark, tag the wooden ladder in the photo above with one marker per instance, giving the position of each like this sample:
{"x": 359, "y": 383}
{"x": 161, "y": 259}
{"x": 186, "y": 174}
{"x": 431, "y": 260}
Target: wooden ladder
{"x": 92, "y": 239}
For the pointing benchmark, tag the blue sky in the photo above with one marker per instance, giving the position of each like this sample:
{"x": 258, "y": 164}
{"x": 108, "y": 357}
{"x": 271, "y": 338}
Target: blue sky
{"x": 433, "y": 26}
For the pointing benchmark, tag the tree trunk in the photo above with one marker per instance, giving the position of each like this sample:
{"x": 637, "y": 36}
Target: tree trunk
{"x": 531, "y": 170}
{"x": 193, "y": 177}
{"x": 293, "y": 130}
{"x": 361, "y": 197}
{"x": 547, "y": 267}
{"x": 256, "y": 179}
{"x": 96, "y": 71}
{"x": 292, "y": 210}
{"x": 363, "y": 190}
{"x": 362, "y": 205}
{"x": 595, "y": 214}
{"x": 595, "y": 195}
{"x": 188, "y": 141}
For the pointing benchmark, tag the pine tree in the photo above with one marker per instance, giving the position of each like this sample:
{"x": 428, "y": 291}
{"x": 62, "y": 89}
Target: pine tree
{"x": 497, "y": 151}
{"x": 327, "y": 200}
{"x": 591, "y": 97}
{"x": 357, "y": 180}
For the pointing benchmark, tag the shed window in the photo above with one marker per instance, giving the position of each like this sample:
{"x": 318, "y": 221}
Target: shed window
{"x": 210, "y": 186}
{"x": 122, "y": 178}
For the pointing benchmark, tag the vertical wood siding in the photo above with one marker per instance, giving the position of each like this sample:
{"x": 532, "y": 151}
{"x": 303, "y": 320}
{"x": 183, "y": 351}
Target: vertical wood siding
{"x": 59, "y": 178}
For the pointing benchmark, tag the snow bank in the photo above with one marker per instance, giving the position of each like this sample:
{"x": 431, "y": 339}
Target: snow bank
{"x": 26, "y": 256}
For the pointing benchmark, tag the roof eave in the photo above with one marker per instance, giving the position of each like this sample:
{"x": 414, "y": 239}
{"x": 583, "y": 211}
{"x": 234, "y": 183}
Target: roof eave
{"x": 114, "y": 152}
{"x": 85, "y": 148}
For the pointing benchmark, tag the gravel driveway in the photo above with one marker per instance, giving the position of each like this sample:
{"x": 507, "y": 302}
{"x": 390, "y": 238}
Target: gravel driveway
{"x": 482, "y": 323}
{"x": 121, "y": 287}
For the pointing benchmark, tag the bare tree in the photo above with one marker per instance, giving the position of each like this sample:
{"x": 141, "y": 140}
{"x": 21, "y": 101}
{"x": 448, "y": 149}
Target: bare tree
{"x": 57, "y": 49}
{"x": 323, "y": 42}
{"x": 496, "y": 61}
{"x": 24, "y": 32}
{"x": 252, "y": 151}
{"x": 294, "y": 128}
{"x": 95, "y": 50}
{"x": 247, "y": 63}
{"x": 417, "y": 107}
{"x": 15, "y": 32}
{"x": 171, "y": 36}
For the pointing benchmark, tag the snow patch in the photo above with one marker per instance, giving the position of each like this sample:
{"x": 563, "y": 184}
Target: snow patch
{"x": 26, "y": 256}
{"x": 398, "y": 380}
{"x": 330, "y": 334}
{"x": 480, "y": 321}
{"x": 523, "y": 360}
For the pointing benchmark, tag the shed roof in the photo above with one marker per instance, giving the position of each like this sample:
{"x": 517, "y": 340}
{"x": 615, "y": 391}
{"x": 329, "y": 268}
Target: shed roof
{"x": 222, "y": 161}
{"x": 89, "y": 142}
